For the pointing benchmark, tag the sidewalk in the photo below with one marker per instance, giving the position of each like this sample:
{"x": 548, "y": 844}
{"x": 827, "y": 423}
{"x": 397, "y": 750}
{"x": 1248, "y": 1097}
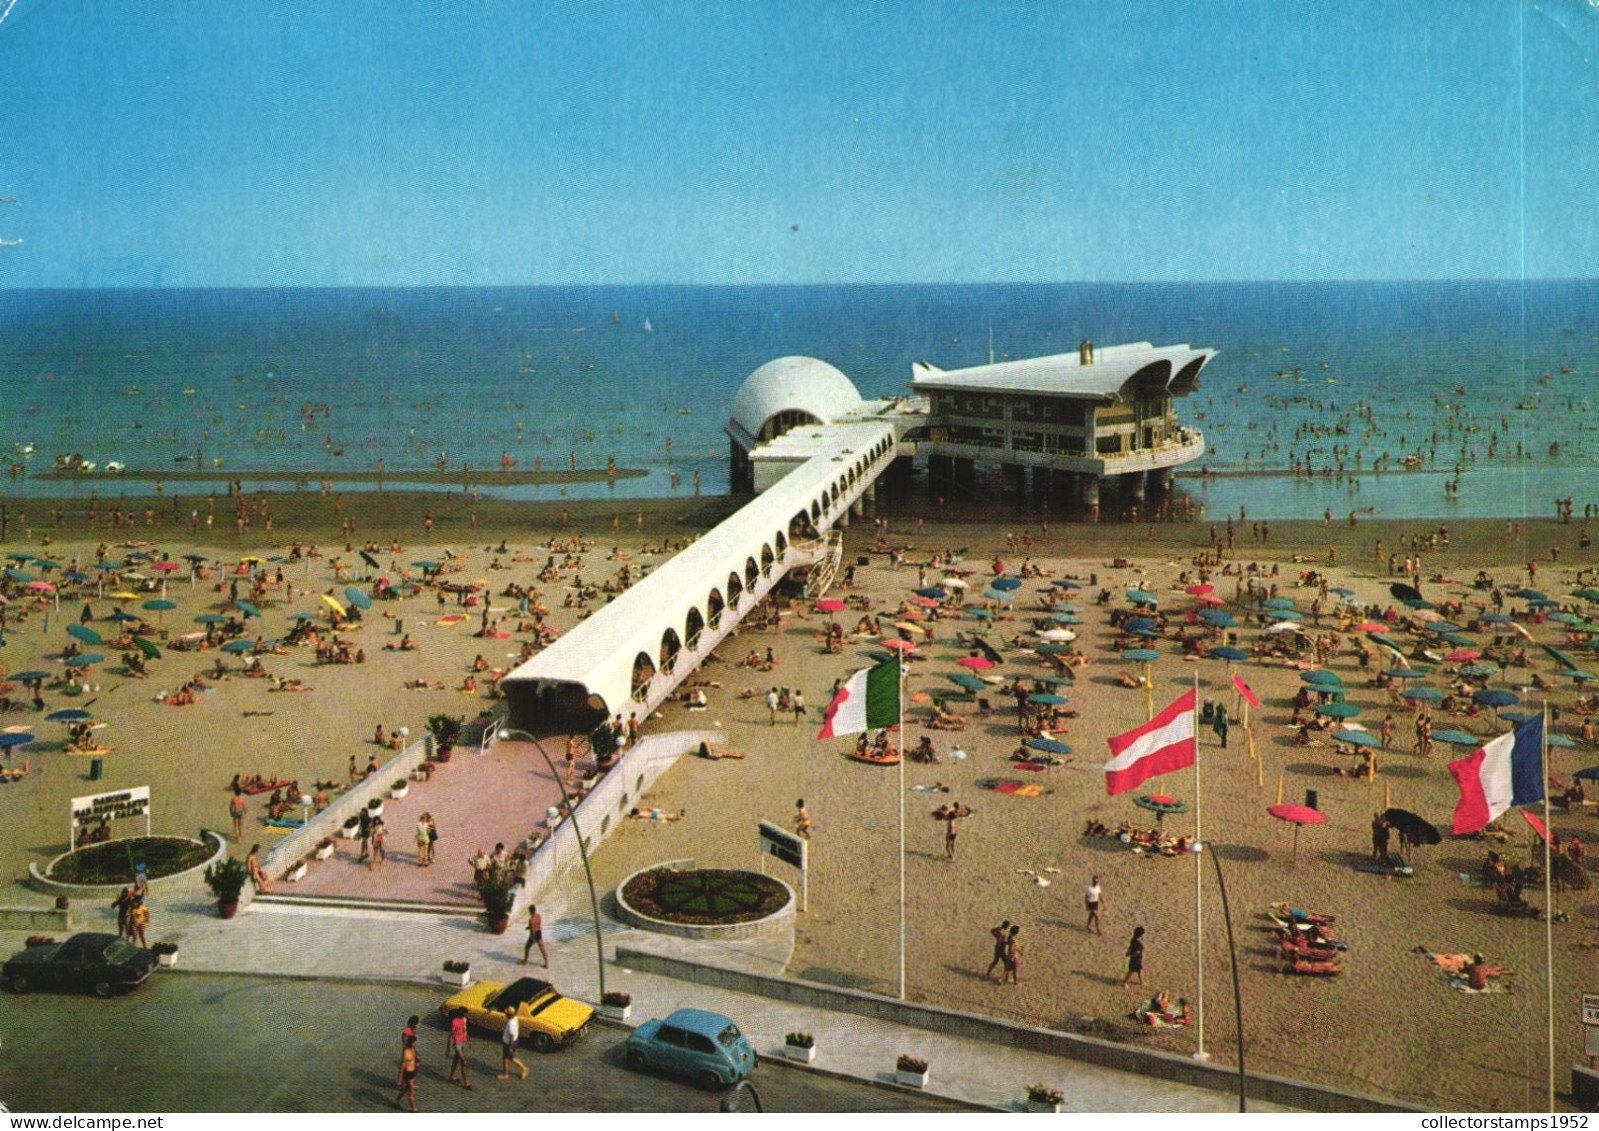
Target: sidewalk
{"x": 360, "y": 945}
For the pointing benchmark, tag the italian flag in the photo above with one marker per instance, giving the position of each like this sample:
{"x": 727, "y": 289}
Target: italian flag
{"x": 867, "y": 699}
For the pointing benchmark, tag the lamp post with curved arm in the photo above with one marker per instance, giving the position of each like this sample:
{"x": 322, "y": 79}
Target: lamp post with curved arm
{"x": 582, "y": 849}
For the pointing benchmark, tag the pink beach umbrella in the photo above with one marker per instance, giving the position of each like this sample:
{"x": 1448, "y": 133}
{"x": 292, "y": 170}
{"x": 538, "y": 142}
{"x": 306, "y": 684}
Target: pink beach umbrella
{"x": 976, "y": 663}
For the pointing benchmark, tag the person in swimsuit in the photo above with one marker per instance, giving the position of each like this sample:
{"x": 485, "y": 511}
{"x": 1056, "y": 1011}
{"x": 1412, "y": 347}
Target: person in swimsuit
{"x": 949, "y": 837}
{"x": 1135, "y": 957}
{"x": 535, "y": 937}
{"x": 1013, "y": 958}
{"x": 802, "y": 819}
{"x": 410, "y": 1065}
{"x": 1093, "y": 897}
{"x": 999, "y": 934}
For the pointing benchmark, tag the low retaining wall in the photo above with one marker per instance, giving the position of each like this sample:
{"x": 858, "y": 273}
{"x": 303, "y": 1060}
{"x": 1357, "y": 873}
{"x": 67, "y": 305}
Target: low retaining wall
{"x": 347, "y": 804}
{"x": 1106, "y": 1054}
{"x": 46, "y": 919}
{"x": 606, "y": 805}
{"x": 778, "y": 925}
{"x": 182, "y": 883}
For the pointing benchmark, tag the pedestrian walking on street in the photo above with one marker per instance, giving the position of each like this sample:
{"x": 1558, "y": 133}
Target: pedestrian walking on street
{"x": 535, "y": 937}
{"x": 459, "y": 1040}
{"x": 410, "y": 1065}
{"x": 508, "y": 1045}
{"x": 1093, "y": 897}
{"x": 1135, "y": 958}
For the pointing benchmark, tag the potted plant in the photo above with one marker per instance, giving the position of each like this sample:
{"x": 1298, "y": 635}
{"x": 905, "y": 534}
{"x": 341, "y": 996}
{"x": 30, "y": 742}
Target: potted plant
{"x": 498, "y": 899}
{"x": 324, "y": 848}
{"x": 446, "y": 732}
{"x": 616, "y": 1005}
{"x": 166, "y": 953}
{"x": 351, "y": 828}
{"x": 457, "y": 973}
{"x": 603, "y": 744}
{"x": 40, "y": 940}
{"x": 1041, "y": 1098}
{"x": 295, "y": 872}
{"x": 226, "y": 879}
{"x": 911, "y": 1071}
{"x": 399, "y": 789}
{"x": 374, "y": 807}
{"x": 800, "y": 1046}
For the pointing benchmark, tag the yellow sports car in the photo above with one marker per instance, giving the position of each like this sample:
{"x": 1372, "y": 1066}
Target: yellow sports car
{"x": 547, "y": 1020}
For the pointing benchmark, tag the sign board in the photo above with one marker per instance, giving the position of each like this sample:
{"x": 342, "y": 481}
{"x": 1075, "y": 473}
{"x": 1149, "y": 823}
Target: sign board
{"x": 114, "y": 806}
{"x": 1590, "y": 1009}
{"x": 784, "y": 845}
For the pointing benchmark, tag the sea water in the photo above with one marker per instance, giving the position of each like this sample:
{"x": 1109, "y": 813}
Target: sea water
{"x": 1495, "y": 377}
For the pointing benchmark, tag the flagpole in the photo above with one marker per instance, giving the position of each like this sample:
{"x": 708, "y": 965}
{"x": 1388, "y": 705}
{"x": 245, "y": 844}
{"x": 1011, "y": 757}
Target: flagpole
{"x": 1199, "y": 965}
{"x": 899, "y": 697}
{"x": 1548, "y": 904}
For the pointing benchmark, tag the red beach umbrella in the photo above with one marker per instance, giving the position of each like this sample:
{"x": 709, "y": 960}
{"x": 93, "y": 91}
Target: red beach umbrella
{"x": 1462, "y": 655}
{"x": 1199, "y": 590}
{"x": 976, "y": 663}
{"x": 898, "y": 645}
{"x": 165, "y": 567}
{"x": 830, "y": 605}
{"x": 1371, "y": 626}
{"x": 1300, "y": 815}
{"x": 1210, "y": 599}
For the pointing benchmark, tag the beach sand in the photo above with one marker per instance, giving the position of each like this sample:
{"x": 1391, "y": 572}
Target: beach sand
{"x": 1390, "y": 1025}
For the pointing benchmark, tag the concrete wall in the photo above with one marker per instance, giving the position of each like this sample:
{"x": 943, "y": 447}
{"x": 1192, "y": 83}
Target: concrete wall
{"x": 347, "y": 804}
{"x": 606, "y": 806}
{"x": 1106, "y": 1054}
{"x": 46, "y": 920}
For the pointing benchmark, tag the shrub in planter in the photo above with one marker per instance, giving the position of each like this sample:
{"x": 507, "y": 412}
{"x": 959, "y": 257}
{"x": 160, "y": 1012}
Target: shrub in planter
{"x": 226, "y": 879}
{"x": 453, "y": 967}
{"x": 910, "y": 1064}
{"x": 351, "y": 828}
{"x": 446, "y": 732}
{"x": 324, "y": 848}
{"x": 800, "y": 1046}
{"x": 498, "y": 899}
{"x": 166, "y": 953}
{"x": 457, "y": 973}
{"x": 1042, "y": 1098}
{"x": 616, "y": 998}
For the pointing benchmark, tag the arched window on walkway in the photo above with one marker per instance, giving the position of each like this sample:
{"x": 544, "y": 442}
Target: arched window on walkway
{"x": 643, "y": 673}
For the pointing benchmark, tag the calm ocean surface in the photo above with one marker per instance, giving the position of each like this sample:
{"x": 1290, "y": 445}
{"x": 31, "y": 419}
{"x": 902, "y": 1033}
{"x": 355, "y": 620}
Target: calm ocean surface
{"x": 321, "y": 380}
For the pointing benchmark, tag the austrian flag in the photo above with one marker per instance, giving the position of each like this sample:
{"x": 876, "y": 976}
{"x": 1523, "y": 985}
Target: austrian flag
{"x": 1163, "y": 744}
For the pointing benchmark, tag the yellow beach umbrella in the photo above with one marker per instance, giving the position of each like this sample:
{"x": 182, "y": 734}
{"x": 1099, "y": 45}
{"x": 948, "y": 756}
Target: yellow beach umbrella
{"x": 124, "y": 596}
{"x": 907, "y": 626}
{"x": 334, "y": 605}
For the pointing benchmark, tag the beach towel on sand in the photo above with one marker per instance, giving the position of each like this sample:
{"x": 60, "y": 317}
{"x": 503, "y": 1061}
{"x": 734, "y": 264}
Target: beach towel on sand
{"x": 1461, "y": 985}
{"x": 1016, "y": 788}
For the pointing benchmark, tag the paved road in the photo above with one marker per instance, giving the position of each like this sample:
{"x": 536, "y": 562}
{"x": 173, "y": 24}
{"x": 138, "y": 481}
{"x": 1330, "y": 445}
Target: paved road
{"x": 197, "y": 1042}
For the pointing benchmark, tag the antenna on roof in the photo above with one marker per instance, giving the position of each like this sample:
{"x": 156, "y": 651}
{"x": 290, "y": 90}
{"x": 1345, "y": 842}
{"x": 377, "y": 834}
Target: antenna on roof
{"x": 991, "y": 341}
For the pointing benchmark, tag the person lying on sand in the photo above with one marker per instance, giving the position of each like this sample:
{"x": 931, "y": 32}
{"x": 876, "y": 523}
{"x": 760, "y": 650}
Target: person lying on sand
{"x": 655, "y": 815}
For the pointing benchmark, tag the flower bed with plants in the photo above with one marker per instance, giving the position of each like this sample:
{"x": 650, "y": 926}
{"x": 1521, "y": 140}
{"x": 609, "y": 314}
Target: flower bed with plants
{"x": 115, "y": 861}
{"x": 679, "y": 899}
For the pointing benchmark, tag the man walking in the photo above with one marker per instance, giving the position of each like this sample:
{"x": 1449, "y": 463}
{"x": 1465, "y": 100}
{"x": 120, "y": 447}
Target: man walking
{"x": 535, "y": 938}
{"x": 1093, "y": 897}
{"x": 508, "y": 1041}
{"x": 999, "y": 934}
{"x": 459, "y": 1039}
{"x": 1220, "y": 724}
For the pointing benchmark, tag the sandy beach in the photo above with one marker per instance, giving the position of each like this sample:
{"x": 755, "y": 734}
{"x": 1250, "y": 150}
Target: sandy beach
{"x": 1390, "y": 1024}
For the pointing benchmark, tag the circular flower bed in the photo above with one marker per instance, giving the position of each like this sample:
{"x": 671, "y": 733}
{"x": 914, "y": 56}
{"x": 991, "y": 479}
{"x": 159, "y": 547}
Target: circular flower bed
{"x": 115, "y": 861}
{"x": 705, "y": 896}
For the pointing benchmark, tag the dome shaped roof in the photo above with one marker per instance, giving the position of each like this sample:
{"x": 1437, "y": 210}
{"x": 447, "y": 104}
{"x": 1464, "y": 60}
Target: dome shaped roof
{"x": 793, "y": 383}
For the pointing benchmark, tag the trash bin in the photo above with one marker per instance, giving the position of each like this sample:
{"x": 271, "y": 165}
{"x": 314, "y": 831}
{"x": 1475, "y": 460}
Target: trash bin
{"x": 1311, "y": 797}
{"x": 96, "y": 769}
{"x": 399, "y": 627}
{"x": 863, "y": 560}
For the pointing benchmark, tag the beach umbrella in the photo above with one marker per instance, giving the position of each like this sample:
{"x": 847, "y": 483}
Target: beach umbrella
{"x": 165, "y": 567}
{"x": 1375, "y": 626}
{"x": 1216, "y": 618}
{"x": 40, "y": 587}
{"x": 1411, "y": 828}
{"x": 1067, "y": 618}
{"x": 1457, "y": 738}
{"x": 1047, "y": 745}
{"x": 1053, "y": 649}
{"x": 1159, "y": 804}
{"x": 1140, "y": 655}
{"x": 83, "y": 633}
{"x": 1047, "y": 700}
{"x": 1421, "y": 606}
{"x": 1287, "y": 615}
{"x": 976, "y": 663}
{"x": 1589, "y": 774}
{"x": 238, "y": 646}
{"x": 302, "y": 616}
{"x": 932, "y": 591}
{"x": 68, "y": 715}
{"x": 1229, "y": 654}
{"x": 1494, "y": 618}
{"x": 984, "y": 647}
{"x": 1142, "y": 597}
{"x": 1277, "y": 603}
{"x": 1461, "y": 655}
{"x": 29, "y": 676}
{"x": 830, "y": 605}
{"x": 1530, "y": 594}
{"x": 357, "y": 598}
{"x": 1482, "y": 668}
{"x": 7, "y": 741}
{"x": 982, "y": 614}
{"x": 1321, "y": 676}
{"x": 1577, "y": 675}
{"x": 370, "y": 560}
{"x": 1281, "y": 626}
{"x": 210, "y": 618}
{"x": 967, "y": 682}
{"x": 1137, "y": 624}
{"x": 992, "y": 594}
{"x": 1442, "y": 626}
{"x": 151, "y": 652}
{"x": 1454, "y": 638}
{"x": 1560, "y": 657}
{"x": 1005, "y": 583}
{"x": 1199, "y": 590}
{"x": 953, "y": 583}
{"x": 1063, "y": 584}
{"x": 899, "y": 645}
{"x": 907, "y": 626}
{"x": 1342, "y": 591}
{"x": 1338, "y": 710}
{"x": 1356, "y": 738}
{"x": 426, "y": 565}
{"x": 924, "y": 602}
{"x": 248, "y": 609}
{"x": 1558, "y": 740}
{"x": 194, "y": 557}
{"x": 1057, "y": 634}
{"x": 19, "y": 557}
{"x": 123, "y": 595}
{"x": 1565, "y": 618}
{"x": 74, "y": 575}
{"x": 18, "y": 575}
{"x": 1209, "y": 599}
{"x": 1299, "y": 816}
{"x": 1495, "y": 697}
{"x": 85, "y": 660}
{"x": 159, "y": 606}
{"x": 1405, "y": 593}
{"x": 1422, "y": 694}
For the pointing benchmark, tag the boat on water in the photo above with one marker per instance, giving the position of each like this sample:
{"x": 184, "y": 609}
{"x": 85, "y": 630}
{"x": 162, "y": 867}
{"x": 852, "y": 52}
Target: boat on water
{"x": 648, "y": 329}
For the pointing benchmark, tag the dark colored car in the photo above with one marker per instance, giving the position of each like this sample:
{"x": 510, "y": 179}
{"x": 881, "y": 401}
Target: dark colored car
{"x": 102, "y": 963}
{"x": 703, "y": 1046}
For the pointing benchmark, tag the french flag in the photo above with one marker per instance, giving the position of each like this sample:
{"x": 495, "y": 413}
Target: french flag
{"x": 1163, "y": 744}
{"x": 1505, "y": 772}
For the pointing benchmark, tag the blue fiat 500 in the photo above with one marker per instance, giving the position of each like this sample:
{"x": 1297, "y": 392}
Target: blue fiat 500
{"x": 694, "y": 1043}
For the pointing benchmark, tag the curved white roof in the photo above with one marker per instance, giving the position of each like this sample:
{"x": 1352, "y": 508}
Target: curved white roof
{"x": 802, "y": 383}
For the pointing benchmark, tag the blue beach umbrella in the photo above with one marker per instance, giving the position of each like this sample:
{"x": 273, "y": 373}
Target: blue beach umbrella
{"x": 967, "y": 682}
{"x": 1216, "y": 618}
{"x": 74, "y": 575}
{"x": 1229, "y": 654}
{"x": 1046, "y": 745}
{"x": 1457, "y": 738}
{"x": 1530, "y": 595}
{"x": 1142, "y": 597}
{"x": 931, "y": 591}
{"x": 1342, "y": 591}
{"x": 1423, "y": 694}
{"x": 1321, "y": 676}
{"x": 1146, "y": 633}
{"x": 210, "y": 618}
{"x": 18, "y": 576}
{"x": 1287, "y": 614}
{"x": 247, "y": 609}
{"x": 1408, "y": 673}
{"x": 1047, "y": 700}
{"x": 85, "y": 660}
{"x": 1558, "y": 740}
{"x": 83, "y": 633}
{"x": 302, "y": 616}
{"x": 1356, "y": 737}
{"x": 1577, "y": 675}
{"x": 982, "y": 614}
{"x": 1065, "y": 584}
{"x": 1494, "y": 618}
{"x": 237, "y": 646}
{"x": 68, "y": 715}
{"x": 29, "y": 676}
{"x": 1338, "y": 710}
{"x": 1277, "y": 603}
{"x": 998, "y": 595}
{"x": 1138, "y": 624}
{"x": 1005, "y": 583}
{"x": 357, "y": 598}
{"x": 426, "y": 565}
{"x": 1067, "y": 618}
{"x": 1589, "y": 774}
{"x": 1518, "y": 717}
{"x": 1495, "y": 697}
{"x": 1140, "y": 655}
{"x": 7, "y": 741}
{"x": 1479, "y": 669}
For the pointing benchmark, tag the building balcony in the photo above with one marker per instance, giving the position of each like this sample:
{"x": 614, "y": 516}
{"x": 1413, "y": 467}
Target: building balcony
{"x": 1187, "y": 446}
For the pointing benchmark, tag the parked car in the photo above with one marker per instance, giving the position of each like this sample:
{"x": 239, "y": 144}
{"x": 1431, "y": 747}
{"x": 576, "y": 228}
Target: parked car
{"x": 547, "y": 1020}
{"x": 695, "y": 1043}
{"x": 98, "y": 962}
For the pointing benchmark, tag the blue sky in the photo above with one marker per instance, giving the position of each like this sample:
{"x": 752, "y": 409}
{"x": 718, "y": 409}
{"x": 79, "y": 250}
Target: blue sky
{"x": 351, "y": 142}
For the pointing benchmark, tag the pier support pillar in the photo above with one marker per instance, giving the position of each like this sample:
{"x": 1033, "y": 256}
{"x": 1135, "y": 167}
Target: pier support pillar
{"x": 965, "y": 470}
{"x": 855, "y": 508}
{"x": 1091, "y": 495}
{"x": 1164, "y": 479}
{"x": 843, "y": 519}
{"x": 940, "y": 469}
{"x": 1015, "y": 477}
{"x": 1134, "y": 485}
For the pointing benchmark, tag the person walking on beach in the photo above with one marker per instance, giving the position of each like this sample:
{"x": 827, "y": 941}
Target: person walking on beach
{"x": 949, "y": 836}
{"x": 799, "y": 705}
{"x": 508, "y": 1040}
{"x": 802, "y": 819}
{"x": 1000, "y": 932}
{"x": 1013, "y": 958}
{"x": 1092, "y": 898}
{"x": 535, "y": 938}
{"x": 1219, "y": 724}
{"x": 1379, "y": 838}
{"x": 236, "y": 811}
{"x": 771, "y": 705}
{"x": 459, "y": 1040}
{"x": 410, "y": 1065}
{"x": 1135, "y": 958}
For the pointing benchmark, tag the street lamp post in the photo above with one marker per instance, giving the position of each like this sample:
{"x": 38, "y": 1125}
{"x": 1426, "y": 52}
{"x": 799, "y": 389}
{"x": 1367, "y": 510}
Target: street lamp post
{"x": 582, "y": 849}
